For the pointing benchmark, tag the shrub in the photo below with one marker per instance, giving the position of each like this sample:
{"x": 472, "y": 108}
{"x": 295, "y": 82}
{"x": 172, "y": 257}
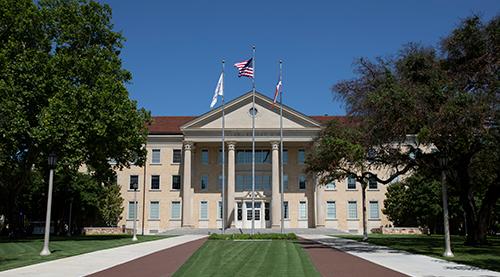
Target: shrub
{"x": 258, "y": 236}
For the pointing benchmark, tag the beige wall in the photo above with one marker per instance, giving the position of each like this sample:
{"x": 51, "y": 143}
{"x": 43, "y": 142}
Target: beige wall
{"x": 293, "y": 195}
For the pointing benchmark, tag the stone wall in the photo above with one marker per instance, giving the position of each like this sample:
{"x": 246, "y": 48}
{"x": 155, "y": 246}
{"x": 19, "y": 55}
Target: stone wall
{"x": 89, "y": 231}
{"x": 403, "y": 231}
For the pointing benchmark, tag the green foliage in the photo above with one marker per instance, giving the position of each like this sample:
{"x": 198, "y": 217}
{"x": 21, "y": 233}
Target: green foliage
{"x": 416, "y": 202}
{"x": 270, "y": 236}
{"x": 62, "y": 90}
{"x": 448, "y": 97}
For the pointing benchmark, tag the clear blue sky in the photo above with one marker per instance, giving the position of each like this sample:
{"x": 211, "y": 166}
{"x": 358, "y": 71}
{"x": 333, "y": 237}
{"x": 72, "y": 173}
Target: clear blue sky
{"x": 174, "y": 48}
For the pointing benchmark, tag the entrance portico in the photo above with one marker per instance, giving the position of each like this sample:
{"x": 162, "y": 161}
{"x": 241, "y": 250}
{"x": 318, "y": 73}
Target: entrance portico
{"x": 203, "y": 134}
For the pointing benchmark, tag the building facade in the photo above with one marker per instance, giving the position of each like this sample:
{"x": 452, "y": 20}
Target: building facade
{"x": 181, "y": 183}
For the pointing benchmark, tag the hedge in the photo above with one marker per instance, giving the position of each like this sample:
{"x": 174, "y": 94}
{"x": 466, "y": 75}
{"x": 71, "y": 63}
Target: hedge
{"x": 275, "y": 236}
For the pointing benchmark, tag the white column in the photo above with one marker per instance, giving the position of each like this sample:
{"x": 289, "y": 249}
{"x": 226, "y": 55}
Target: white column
{"x": 231, "y": 213}
{"x": 319, "y": 203}
{"x": 275, "y": 200}
{"x": 187, "y": 195}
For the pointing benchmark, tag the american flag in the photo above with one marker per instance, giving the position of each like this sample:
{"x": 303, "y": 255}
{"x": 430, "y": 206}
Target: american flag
{"x": 245, "y": 68}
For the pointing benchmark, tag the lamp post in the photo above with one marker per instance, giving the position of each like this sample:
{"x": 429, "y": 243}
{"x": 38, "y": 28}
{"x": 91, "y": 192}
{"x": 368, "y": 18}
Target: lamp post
{"x": 52, "y": 159}
{"x": 443, "y": 161}
{"x": 135, "y": 186}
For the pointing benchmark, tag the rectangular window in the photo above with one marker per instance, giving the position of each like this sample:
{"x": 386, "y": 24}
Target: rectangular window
{"x": 219, "y": 156}
{"x": 374, "y": 210}
{"x": 155, "y": 182}
{"x": 285, "y": 182}
{"x": 302, "y": 182}
{"x": 131, "y": 210}
{"x": 175, "y": 213}
{"x": 176, "y": 156}
{"x": 351, "y": 182}
{"x": 156, "y": 156}
{"x": 220, "y": 182}
{"x": 245, "y": 156}
{"x": 219, "y": 210}
{"x": 204, "y": 156}
{"x": 266, "y": 211}
{"x": 331, "y": 210}
{"x": 285, "y": 156}
{"x": 203, "y": 210}
{"x": 352, "y": 210}
{"x": 176, "y": 182}
{"x": 372, "y": 183}
{"x": 154, "y": 210}
{"x": 240, "y": 212}
{"x": 331, "y": 186}
{"x": 301, "y": 156}
{"x": 204, "y": 182}
{"x": 134, "y": 182}
{"x": 302, "y": 210}
{"x": 285, "y": 210}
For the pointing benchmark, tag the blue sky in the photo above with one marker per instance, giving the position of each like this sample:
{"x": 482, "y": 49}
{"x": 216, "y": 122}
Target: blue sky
{"x": 174, "y": 48}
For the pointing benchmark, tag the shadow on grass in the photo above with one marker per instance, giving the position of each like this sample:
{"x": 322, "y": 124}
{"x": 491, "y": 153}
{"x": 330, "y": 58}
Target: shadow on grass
{"x": 484, "y": 256}
{"x": 5, "y": 239}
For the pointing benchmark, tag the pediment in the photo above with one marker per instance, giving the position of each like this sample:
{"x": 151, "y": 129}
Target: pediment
{"x": 237, "y": 116}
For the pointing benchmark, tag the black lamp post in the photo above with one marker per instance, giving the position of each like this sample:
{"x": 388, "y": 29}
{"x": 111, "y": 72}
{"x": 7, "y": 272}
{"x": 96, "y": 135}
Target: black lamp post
{"x": 135, "y": 186}
{"x": 52, "y": 160}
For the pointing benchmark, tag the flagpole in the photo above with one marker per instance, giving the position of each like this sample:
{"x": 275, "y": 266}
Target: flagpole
{"x": 223, "y": 160}
{"x": 253, "y": 141}
{"x": 281, "y": 149}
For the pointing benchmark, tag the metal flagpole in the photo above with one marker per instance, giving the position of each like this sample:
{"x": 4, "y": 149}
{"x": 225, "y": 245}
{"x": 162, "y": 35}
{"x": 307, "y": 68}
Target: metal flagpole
{"x": 223, "y": 160}
{"x": 253, "y": 141}
{"x": 281, "y": 148}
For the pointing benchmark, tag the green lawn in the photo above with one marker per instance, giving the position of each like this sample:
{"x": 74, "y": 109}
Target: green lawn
{"x": 482, "y": 256}
{"x": 249, "y": 258}
{"x": 21, "y": 252}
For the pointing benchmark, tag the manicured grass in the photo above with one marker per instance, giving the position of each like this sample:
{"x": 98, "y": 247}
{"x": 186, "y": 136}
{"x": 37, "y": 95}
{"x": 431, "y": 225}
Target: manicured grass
{"x": 22, "y": 252}
{"x": 487, "y": 257}
{"x": 249, "y": 258}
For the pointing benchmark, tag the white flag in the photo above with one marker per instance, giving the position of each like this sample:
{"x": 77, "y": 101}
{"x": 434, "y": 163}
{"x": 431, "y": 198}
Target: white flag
{"x": 219, "y": 90}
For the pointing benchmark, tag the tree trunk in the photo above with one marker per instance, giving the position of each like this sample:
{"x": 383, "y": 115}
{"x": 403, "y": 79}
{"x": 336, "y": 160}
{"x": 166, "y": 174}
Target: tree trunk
{"x": 478, "y": 220}
{"x": 363, "y": 201}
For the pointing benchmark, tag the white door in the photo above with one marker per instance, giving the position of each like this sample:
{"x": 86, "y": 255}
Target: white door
{"x": 247, "y": 215}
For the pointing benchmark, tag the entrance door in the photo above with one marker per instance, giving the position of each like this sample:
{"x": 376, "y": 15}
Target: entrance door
{"x": 247, "y": 216}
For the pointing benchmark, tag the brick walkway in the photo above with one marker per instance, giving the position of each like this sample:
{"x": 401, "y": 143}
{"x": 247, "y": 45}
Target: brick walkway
{"x": 161, "y": 263}
{"x": 332, "y": 262}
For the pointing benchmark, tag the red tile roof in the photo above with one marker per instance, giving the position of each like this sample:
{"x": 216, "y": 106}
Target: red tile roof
{"x": 170, "y": 125}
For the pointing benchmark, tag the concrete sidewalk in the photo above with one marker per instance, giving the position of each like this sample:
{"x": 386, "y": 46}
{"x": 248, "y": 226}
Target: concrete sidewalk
{"x": 401, "y": 261}
{"x": 92, "y": 262}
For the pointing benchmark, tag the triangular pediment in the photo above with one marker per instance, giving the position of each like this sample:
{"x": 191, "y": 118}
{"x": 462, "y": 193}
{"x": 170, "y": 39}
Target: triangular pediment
{"x": 238, "y": 117}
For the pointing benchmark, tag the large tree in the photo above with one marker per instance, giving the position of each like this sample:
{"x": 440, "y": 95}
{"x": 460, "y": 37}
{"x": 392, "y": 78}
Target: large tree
{"x": 416, "y": 202}
{"x": 449, "y": 98}
{"x": 345, "y": 150}
{"x": 62, "y": 90}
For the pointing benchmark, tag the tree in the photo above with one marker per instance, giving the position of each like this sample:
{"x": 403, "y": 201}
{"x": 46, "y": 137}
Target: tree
{"x": 62, "y": 90}
{"x": 344, "y": 150}
{"x": 449, "y": 99}
{"x": 415, "y": 202}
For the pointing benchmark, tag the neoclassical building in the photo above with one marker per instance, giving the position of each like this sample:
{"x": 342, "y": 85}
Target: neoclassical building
{"x": 181, "y": 183}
